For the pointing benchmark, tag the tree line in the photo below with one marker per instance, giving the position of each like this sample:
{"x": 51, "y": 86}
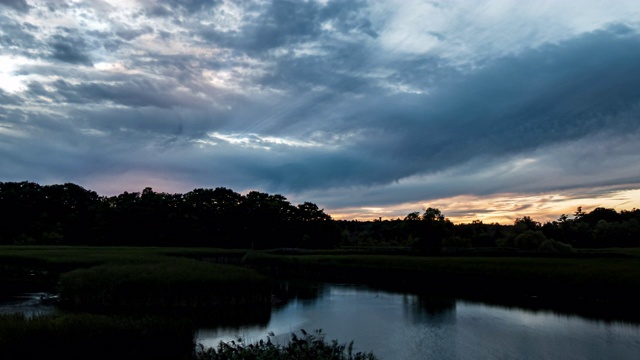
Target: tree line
{"x": 432, "y": 232}
{"x": 67, "y": 214}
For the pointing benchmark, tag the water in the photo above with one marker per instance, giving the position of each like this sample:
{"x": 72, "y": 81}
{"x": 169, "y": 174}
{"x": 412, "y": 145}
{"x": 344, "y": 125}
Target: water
{"x": 30, "y": 304}
{"x": 402, "y": 326}
{"x": 406, "y": 326}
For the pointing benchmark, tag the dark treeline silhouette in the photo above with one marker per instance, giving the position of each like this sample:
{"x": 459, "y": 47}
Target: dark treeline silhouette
{"x": 431, "y": 232}
{"x": 68, "y": 214}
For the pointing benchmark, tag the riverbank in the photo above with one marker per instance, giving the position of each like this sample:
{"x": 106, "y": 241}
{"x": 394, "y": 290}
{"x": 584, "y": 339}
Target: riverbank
{"x": 593, "y": 284}
{"x": 603, "y": 275}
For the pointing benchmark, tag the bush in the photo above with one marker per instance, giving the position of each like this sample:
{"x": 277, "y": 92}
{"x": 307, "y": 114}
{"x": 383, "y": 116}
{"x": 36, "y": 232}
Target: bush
{"x": 530, "y": 240}
{"x": 556, "y": 247}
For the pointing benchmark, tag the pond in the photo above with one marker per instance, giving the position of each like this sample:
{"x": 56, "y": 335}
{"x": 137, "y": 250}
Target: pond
{"x": 405, "y": 326}
{"x": 408, "y": 326}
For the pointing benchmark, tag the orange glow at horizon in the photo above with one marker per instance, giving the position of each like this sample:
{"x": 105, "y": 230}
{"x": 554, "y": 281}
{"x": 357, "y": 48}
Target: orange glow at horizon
{"x": 502, "y": 208}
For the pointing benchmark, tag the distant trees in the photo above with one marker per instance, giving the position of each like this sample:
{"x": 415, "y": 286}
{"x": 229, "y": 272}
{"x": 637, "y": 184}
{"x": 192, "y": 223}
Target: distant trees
{"x": 71, "y": 215}
{"x": 430, "y": 231}
{"x": 601, "y": 227}
{"x": 424, "y": 232}
{"x": 68, "y": 214}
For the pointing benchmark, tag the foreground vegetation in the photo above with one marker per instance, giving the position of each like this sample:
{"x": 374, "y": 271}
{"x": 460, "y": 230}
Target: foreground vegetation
{"x": 308, "y": 347}
{"x": 82, "y": 335}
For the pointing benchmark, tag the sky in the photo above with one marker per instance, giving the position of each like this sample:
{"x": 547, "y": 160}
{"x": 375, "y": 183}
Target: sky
{"x": 486, "y": 110}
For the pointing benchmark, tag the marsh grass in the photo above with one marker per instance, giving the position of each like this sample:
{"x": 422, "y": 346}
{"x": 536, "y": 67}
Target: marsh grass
{"x": 90, "y": 336}
{"x": 163, "y": 283}
{"x": 24, "y": 268}
{"x": 64, "y": 258}
{"x": 613, "y": 276}
{"x": 305, "y": 347}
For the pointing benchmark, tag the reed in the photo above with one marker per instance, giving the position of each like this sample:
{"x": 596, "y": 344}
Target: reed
{"x": 169, "y": 283}
{"x": 305, "y": 347}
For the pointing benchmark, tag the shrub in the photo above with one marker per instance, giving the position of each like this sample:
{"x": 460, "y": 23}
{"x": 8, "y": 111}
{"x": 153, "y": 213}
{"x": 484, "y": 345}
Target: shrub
{"x": 552, "y": 246}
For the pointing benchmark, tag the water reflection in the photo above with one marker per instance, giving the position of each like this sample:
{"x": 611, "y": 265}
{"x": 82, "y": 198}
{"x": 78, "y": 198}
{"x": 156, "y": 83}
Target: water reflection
{"x": 429, "y": 309}
{"x": 409, "y": 326}
{"x": 30, "y": 304}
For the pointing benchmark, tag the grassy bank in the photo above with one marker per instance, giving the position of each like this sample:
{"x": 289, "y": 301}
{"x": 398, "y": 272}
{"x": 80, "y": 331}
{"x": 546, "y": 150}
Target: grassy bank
{"x": 25, "y": 268}
{"x": 174, "y": 276}
{"x": 170, "y": 283}
{"x": 603, "y": 277}
{"x": 90, "y": 336}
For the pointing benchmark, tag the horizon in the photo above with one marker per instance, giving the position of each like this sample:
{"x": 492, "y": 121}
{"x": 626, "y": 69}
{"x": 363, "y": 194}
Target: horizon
{"x": 504, "y": 215}
{"x": 489, "y": 110}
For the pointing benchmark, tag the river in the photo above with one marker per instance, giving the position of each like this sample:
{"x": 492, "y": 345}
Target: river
{"x": 407, "y": 326}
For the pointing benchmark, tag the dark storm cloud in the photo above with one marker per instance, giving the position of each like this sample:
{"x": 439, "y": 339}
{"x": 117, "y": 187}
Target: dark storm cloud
{"x": 17, "y": 36}
{"x": 134, "y": 93}
{"x": 70, "y": 47}
{"x": 8, "y": 99}
{"x": 18, "y": 5}
{"x": 284, "y": 22}
{"x": 544, "y": 96}
{"x": 554, "y": 93}
{"x": 150, "y": 124}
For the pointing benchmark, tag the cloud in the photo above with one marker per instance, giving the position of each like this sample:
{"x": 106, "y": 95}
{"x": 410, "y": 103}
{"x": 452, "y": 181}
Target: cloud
{"x": 70, "y": 49}
{"x": 16, "y": 36}
{"x": 555, "y": 93}
{"x": 354, "y": 103}
{"x": 285, "y": 23}
{"x": 191, "y": 6}
{"x": 133, "y": 93}
{"x": 18, "y": 5}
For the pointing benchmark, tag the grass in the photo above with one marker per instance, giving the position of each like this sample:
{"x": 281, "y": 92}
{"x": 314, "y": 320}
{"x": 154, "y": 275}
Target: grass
{"x": 64, "y": 258}
{"x": 112, "y": 281}
{"x": 99, "y": 278}
{"x": 82, "y": 336}
{"x": 614, "y": 276}
{"x": 163, "y": 283}
{"x": 103, "y": 275}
